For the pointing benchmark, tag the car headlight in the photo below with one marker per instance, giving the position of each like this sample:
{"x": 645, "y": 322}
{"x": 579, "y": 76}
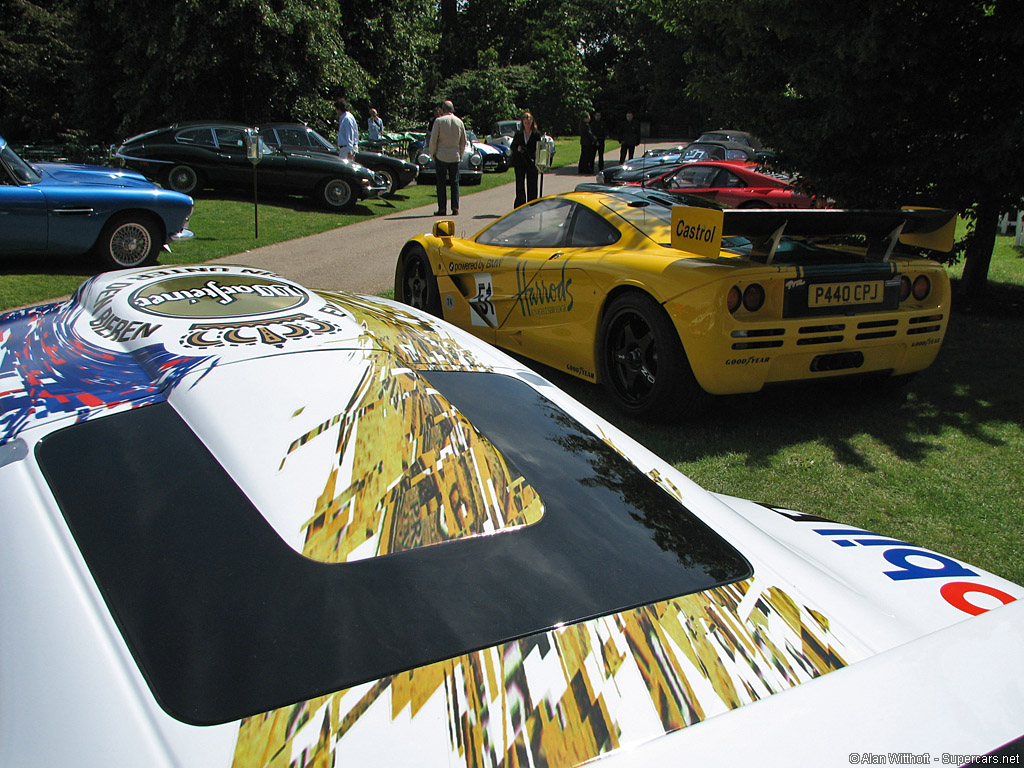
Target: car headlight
{"x": 476, "y": 158}
{"x": 423, "y": 158}
{"x": 600, "y": 177}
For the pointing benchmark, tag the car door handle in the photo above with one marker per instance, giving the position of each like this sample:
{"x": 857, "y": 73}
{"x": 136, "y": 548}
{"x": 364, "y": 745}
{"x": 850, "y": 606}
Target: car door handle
{"x": 74, "y": 211}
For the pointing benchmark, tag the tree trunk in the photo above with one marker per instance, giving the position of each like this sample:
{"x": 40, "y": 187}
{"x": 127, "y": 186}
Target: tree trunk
{"x": 978, "y": 254}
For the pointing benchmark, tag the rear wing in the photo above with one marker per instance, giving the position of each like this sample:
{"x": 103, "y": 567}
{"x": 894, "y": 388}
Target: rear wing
{"x": 929, "y": 228}
{"x": 698, "y": 225}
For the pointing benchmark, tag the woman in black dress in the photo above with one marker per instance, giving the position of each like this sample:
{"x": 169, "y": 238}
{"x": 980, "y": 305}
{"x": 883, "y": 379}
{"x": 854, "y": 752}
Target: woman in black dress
{"x": 524, "y": 159}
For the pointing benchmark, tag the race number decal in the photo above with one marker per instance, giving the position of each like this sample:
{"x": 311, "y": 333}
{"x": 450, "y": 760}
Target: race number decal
{"x": 483, "y": 307}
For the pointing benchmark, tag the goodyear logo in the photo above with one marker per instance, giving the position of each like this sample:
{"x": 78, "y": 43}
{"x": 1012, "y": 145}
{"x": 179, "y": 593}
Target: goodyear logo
{"x": 203, "y": 296}
{"x": 697, "y": 230}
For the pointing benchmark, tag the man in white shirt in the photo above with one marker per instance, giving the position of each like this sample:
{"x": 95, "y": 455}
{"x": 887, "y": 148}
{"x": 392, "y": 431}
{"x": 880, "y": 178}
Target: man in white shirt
{"x": 348, "y": 131}
{"x": 447, "y": 145}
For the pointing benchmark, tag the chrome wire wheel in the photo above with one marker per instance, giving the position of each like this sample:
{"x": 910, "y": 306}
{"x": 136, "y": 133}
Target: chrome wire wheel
{"x": 128, "y": 242}
{"x": 336, "y": 194}
{"x": 184, "y": 179}
{"x": 389, "y": 179}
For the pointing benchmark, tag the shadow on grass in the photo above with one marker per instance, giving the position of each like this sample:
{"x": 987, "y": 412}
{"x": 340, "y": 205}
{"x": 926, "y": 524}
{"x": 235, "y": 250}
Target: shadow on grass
{"x": 972, "y": 388}
{"x": 297, "y": 203}
{"x": 43, "y": 263}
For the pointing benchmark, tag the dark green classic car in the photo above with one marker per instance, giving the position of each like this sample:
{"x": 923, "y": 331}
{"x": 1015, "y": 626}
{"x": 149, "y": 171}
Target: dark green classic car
{"x": 189, "y": 157}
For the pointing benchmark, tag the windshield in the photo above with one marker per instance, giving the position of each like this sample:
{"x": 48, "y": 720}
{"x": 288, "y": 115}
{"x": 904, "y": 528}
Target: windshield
{"x": 507, "y": 128}
{"x": 23, "y": 172}
{"x": 320, "y": 142}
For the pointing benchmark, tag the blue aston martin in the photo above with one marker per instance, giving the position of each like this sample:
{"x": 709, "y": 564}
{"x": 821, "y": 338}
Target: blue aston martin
{"x": 68, "y": 209}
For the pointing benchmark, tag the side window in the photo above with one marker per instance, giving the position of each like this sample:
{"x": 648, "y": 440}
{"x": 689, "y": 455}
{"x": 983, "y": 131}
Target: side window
{"x": 293, "y": 137}
{"x": 589, "y": 230}
{"x": 704, "y": 177}
{"x": 542, "y": 224}
{"x": 729, "y": 179}
{"x": 230, "y": 139}
{"x": 694, "y": 177}
{"x": 200, "y": 137}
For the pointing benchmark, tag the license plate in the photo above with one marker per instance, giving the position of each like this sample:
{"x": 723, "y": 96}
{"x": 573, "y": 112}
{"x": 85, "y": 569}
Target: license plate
{"x": 845, "y": 294}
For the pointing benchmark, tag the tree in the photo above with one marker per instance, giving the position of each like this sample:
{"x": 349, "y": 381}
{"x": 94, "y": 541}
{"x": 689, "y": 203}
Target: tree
{"x": 150, "y": 62}
{"x": 395, "y": 45}
{"x": 874, "y": 102}
{"x": 485, "y": 95}
{"x": 34, "y": 63}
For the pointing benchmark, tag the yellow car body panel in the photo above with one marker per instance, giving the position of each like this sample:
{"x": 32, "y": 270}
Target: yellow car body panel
{"x": 547, "y": 303}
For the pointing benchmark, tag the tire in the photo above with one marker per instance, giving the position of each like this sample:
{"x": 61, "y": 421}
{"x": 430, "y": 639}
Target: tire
{"x": 184, "y": 179}
{"x": 416, "y": 285}
{"x": 336, "y": 194}
{"x": 129, "y": 240}
{"x": 390, "y": 179}
{"x": 643, "y": 365}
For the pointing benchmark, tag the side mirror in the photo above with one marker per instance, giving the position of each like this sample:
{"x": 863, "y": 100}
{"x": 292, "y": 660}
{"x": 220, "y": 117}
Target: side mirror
{"x": 444, "y": 228}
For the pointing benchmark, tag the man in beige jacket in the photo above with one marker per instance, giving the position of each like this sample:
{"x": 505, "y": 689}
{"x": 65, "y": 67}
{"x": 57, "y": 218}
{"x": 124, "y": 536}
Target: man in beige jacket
{"x": 447, "y": 145}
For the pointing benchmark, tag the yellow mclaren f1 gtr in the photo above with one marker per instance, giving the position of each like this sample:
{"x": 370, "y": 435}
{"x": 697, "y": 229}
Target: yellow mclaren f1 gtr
{"x": 665, "y": 300}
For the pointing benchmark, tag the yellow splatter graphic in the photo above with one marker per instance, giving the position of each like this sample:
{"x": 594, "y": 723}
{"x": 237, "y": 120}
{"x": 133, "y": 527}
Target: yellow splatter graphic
{"x": 568, "y": 695}
{"x": 411, "y": 471}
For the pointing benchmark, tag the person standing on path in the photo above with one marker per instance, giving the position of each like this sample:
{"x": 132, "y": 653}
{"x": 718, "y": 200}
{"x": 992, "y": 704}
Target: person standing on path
{"x": 447, "y": 145}
{"x": 588, "y": 146}
{"x": 524, "y": 159}
{"x": 600, "y": 131}
{"x": 348, "y": 131}
{"x": 629, "y": 137}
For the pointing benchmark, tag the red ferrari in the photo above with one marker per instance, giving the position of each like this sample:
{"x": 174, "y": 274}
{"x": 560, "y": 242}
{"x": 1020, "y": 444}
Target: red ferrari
{"x": 734, "y": 185}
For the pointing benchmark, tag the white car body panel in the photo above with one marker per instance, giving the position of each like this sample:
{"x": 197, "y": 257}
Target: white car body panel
{"x": 894, "y": 616}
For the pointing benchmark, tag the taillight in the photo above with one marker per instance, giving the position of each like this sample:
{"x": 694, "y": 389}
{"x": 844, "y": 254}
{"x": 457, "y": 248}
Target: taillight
{"x": 753, "y": 297}
{"x": 904, "y": 287}
{"x": 922, "y": 287}
{"x": 733, "y": 301}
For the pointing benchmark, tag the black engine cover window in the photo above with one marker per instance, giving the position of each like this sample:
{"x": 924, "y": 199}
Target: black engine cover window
{"x": 225, "y": 620}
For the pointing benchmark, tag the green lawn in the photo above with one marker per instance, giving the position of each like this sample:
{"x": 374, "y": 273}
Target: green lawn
{"x": 939, "y": 465}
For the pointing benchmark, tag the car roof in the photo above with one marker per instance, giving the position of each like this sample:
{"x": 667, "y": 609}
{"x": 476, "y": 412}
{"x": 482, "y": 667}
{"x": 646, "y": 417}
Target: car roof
{"x": 286, "y": 124}
{"x": 727, "y": 132}
{"x": 208, "y": 123}
{"x": 721, "y": 143}
{"x": 746, "y": 169}
{"x": 646, "y": 195}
